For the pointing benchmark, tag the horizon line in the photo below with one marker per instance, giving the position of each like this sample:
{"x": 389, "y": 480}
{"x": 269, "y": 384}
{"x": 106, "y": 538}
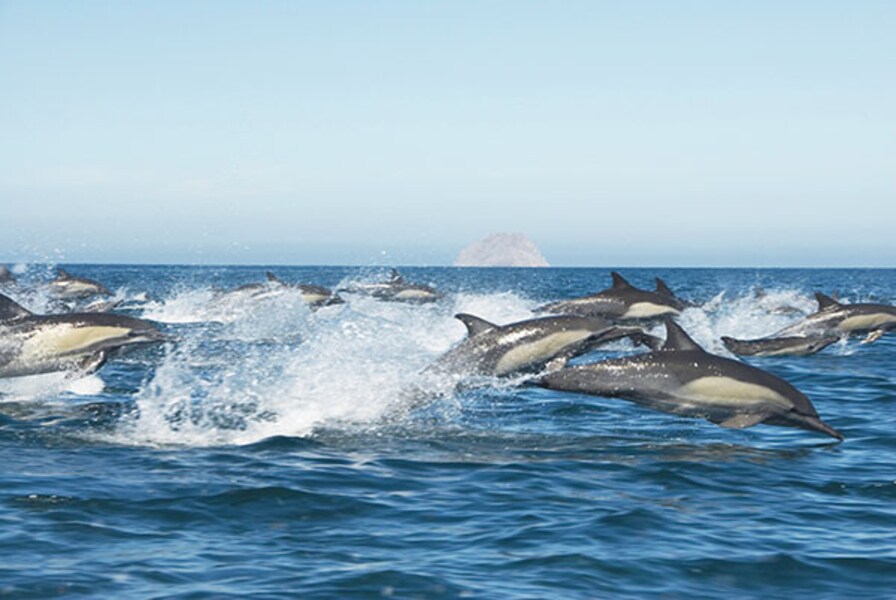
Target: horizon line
{"x": 438, "y": 266}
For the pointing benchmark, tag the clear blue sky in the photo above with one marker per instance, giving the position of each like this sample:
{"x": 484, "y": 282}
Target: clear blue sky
{"x": 611, "y": 133}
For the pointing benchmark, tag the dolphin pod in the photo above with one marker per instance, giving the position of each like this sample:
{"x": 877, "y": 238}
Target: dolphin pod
{"x": 676, "y": 376}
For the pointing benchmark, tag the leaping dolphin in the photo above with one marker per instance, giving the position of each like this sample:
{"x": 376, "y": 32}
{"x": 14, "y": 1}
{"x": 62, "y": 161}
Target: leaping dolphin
{"x": 32, "y": 344}
{"x": 395, "y": 288}
{"x": 683, "y": 379}
{"x": 66, "y": 286}
{"x": 498, "y": 350}
{"x": 621, "y": 302}
{"x": 829, "y": 323}
{"x": 779, "y": 346}
{"x": 313, "y": 295}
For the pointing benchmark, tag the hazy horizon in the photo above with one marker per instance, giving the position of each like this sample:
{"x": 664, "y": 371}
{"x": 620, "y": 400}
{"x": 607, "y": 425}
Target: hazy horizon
{"x": 234, "y": 132}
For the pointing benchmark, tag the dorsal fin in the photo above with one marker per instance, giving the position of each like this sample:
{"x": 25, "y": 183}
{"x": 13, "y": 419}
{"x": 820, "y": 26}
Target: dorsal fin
{"x": 63, "y": 274}
{"x": 619, "y": 281}
{"x": 677, "y": 338}
{"x": 475, "y": 325}
{"x": 662, "y": 288}
{"x": 395, "y": 276}
{"x": 825, "y": 302}
{"x": 11, "y": 310}
{"x": 272, "y": 278}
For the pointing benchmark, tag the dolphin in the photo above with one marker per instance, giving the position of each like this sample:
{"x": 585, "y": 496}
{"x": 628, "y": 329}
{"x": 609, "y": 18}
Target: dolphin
{"x": 499, "y": 350}
{"x": 65, "y": 286}
{"x": 683, "y": 379}
{"x": 32, "y": 344}
{"x": 621, "y": 302}
{"x": 829, "y": 323}
{"x": 779, "y": 346}
{"x": 767, "y": 304}
{"x": 313, "y": 295}
{"x": 395, "y": 288}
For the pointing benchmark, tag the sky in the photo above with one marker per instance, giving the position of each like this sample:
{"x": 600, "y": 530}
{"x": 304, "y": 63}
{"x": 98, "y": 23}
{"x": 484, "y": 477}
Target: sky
{"x": 688, "y": 133}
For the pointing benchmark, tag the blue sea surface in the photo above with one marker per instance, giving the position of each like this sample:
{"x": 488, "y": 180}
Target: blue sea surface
{"x": 269, "y": 453}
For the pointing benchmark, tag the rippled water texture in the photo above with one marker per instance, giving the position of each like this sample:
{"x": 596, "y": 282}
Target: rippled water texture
{"x": 272, "y": 452}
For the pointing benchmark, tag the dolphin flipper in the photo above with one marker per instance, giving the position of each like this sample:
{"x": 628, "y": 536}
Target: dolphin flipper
{"x": 874, "y": 335}
{"x": 92, "y": 363}
{"x": 740, "y": 421}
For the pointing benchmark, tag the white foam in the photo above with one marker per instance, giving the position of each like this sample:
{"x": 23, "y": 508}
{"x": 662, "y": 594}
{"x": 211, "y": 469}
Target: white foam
{"x": 342, "y": 366}
{"x": 49, "y": 385}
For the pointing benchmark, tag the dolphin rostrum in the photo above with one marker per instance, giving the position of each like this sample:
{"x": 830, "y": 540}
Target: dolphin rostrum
{"x": 829, "y": 323}
{"x": 683, "y": 379}
{"x": 498, "y": 350}
{"x": 32, "y": 344}
{"x": 621, "y": 302}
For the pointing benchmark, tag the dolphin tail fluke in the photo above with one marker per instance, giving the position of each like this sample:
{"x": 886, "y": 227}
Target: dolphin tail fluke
{"x": 334, "y": 299}
{"x": 639, "y": 337}
{"x": 736, "y": 346}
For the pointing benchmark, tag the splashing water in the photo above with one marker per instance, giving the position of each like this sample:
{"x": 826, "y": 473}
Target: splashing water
{"x": 258, "y": 368}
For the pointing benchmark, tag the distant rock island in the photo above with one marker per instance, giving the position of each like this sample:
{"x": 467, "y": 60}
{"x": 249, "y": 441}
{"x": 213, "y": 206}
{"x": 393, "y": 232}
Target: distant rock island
{"x": 501, "y": 250}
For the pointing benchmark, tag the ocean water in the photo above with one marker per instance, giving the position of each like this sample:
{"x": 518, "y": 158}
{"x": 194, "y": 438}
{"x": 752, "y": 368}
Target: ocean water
{"x": 271, "y": 452}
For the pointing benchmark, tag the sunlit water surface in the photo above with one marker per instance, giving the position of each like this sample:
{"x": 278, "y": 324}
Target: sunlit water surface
{"x": 272, "y": 452}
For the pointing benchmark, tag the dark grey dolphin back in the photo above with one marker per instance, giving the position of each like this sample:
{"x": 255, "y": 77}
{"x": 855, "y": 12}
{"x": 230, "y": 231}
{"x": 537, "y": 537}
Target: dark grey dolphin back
{"x": 10, "y": 310}
{"x": 620, "y": 283}
{"x": 475, "y": 325}
{"x": 662, "y": 288}
{"x": 677, "y": 339}
{"x": 273, "y": 278}
{"x": 825, "y": 302}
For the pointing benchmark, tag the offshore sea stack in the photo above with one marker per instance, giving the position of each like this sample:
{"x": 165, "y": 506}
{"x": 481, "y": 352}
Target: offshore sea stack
{"x": 501, "y": 250}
